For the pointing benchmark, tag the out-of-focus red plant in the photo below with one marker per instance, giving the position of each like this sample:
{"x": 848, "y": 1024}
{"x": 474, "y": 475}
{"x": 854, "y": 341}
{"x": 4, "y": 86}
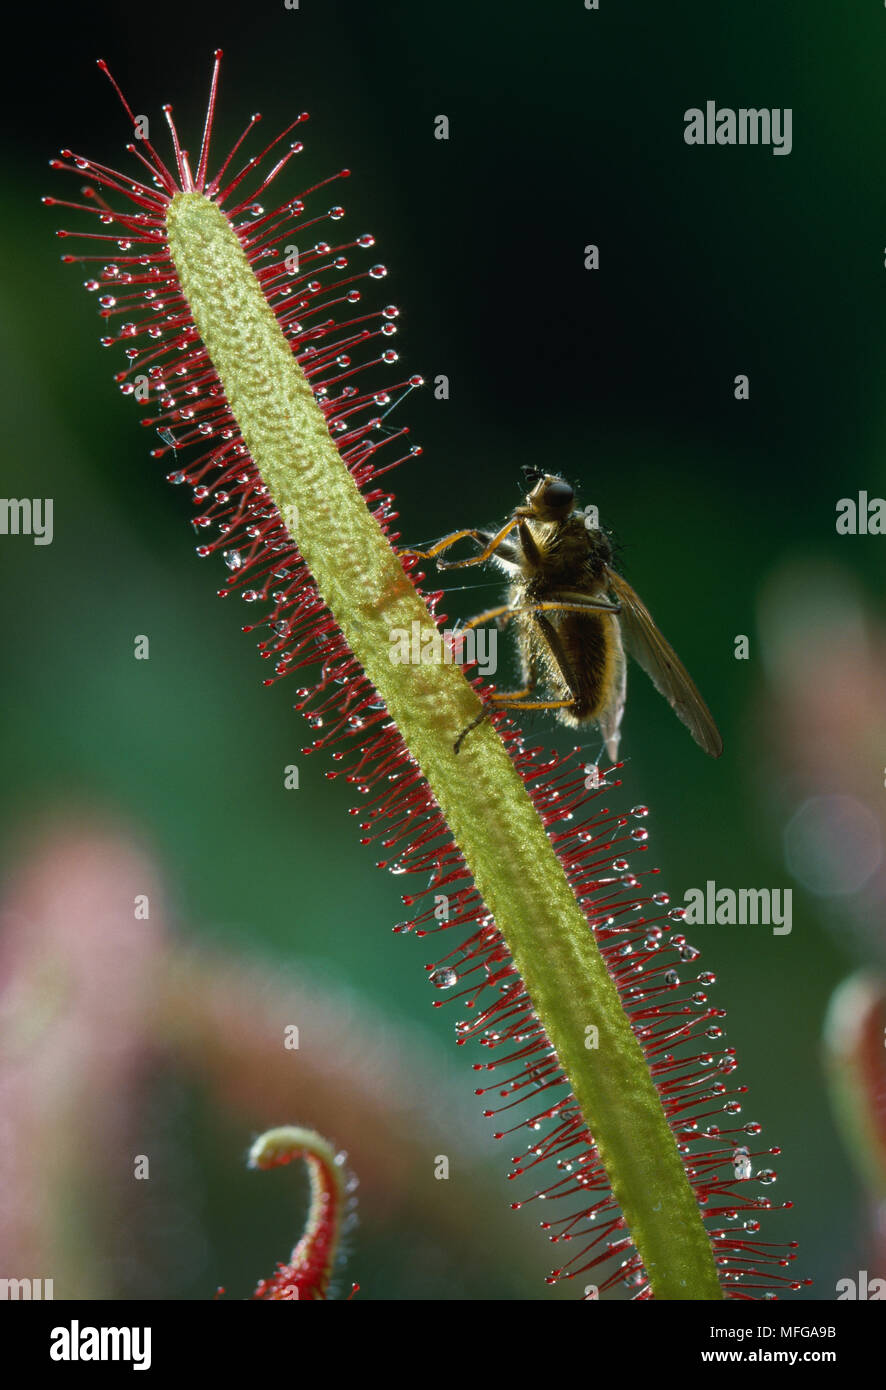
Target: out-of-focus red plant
{"x": 824, "y": 724}
{"x": 825, "y": 721}
{"x": 96, "y": 1003}
{"x": 77, "y": 975}
{"x": 307, "y": 1272}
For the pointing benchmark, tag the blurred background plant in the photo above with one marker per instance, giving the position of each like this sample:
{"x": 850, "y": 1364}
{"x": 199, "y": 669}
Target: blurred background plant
{"x": 121, "y": 1046}
{"x": 823, "y": 735}
{"x": 566, "y": 129}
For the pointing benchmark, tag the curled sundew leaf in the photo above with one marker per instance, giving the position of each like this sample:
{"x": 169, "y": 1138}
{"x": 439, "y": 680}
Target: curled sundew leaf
{"x": 223, "y": 1017}
{"x": 568, "y": 966}
{"x": 307, "y": 1273}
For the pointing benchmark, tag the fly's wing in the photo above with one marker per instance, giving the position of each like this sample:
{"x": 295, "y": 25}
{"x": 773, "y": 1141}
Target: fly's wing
{"x": 663, "y": 666}
{"x": 610, "y": 716}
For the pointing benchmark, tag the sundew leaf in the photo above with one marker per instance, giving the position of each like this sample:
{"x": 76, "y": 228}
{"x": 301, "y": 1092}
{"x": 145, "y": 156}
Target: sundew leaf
{"x": 250, "y": 348}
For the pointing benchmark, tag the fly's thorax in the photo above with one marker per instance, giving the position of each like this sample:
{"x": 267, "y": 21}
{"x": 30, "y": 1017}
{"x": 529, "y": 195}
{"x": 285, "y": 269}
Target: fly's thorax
{"x": 569, "y": 551}
{"x": 599, "y": 554}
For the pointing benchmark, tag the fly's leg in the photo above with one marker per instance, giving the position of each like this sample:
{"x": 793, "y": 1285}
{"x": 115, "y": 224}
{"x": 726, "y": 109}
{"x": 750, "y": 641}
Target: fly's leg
{"x": 557, "y": 605}
{"x": 499, "y": 701}
{"x": 491, "y": 615}
{"x": 488, "y": 545}
{"x": 509, "y": 700}
{"x": 567, "y": 675}
{"x": 516, "y": 699}
{"x": 444, "y": 544}
{"x": 506, "y": 611}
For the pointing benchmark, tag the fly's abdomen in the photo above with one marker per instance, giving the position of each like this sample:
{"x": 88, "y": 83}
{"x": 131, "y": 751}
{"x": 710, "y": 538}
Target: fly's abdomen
{"x": 571, "y": 656}
{"x": 582, "y": 661}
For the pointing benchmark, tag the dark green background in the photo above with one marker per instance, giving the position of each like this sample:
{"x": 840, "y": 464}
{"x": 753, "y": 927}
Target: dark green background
{"x": 566, "y": 128}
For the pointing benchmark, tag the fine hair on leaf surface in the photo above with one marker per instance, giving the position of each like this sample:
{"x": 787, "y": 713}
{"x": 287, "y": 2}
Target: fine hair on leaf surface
{"x": 598, "y": 1053}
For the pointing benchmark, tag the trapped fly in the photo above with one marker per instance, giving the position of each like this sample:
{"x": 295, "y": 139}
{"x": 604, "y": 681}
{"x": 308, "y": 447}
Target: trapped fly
{"x": 575, "y": 617}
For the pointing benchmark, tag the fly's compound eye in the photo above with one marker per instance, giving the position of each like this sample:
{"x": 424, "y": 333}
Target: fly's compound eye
{"x": 558, "y": 494}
